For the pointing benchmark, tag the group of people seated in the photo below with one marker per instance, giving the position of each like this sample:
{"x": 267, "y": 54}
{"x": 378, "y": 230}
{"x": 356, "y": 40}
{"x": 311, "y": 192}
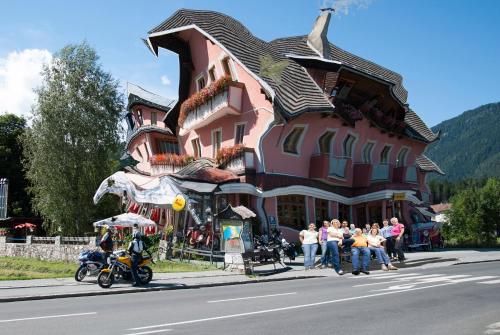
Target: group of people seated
{"x": 385, "y": 243}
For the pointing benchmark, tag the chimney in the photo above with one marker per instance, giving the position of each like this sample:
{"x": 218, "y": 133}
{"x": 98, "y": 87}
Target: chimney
{"x": 317, "y": 39}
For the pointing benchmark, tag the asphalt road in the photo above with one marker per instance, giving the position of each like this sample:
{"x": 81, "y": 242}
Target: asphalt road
{"x": 462, "y": 299}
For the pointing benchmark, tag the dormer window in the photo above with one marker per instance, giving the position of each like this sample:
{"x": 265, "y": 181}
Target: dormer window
{"x": 200, "y": 82}
{"x": 226, "y": 67}
{"x": 292, "y": 141}
{"x": 349, "y": 146}
{"x": 401, "y": 160}
{"x": 367, "y": 152}
{"x": 211, "y": 74}
{"x": 384, "y": 155}
{"x": 325, "y": 142}
{"x": 139, "y": 117}
{"x": 154, "y": 118}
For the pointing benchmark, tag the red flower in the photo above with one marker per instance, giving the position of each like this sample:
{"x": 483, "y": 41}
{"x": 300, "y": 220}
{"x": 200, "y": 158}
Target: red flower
{"x": 170, "y": 159}
{"x": 225, "y": 154}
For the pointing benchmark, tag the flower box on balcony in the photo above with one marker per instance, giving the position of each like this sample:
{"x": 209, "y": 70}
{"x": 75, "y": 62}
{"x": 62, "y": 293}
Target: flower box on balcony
{"x": 237, "y": 158}
{"x": 222, "y": 97}
{"x": 168, "y": 163}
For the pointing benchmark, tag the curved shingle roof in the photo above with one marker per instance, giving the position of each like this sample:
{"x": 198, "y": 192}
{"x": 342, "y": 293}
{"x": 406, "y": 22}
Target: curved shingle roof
{"x": 426, "y": 164}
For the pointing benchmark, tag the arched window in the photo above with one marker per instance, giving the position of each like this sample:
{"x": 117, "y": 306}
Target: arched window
{"x": 401, "y": 160}
{"x": 367, "y": 152}
{"x": 384, "y": 155}
{"x": 325, "y": 142}
{"x": 291, "y": 143}
{"x": 349, "y": 145}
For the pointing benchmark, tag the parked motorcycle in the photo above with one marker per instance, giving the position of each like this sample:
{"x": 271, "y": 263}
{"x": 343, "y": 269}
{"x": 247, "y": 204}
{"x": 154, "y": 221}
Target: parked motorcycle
{"x": 91, "y": 263}
{"x": 266, "y": 250}
{"x": 120, "y": 266}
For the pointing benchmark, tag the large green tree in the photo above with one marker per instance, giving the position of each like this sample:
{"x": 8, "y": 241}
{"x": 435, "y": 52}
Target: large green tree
{"x": 68, "y": 150}
{"x": 11, "y": 129}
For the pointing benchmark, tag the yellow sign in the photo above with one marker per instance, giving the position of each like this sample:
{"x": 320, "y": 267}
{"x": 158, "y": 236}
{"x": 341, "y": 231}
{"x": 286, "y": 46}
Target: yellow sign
{"x": 179, "y": 203}
{"x": 399, "y": 196}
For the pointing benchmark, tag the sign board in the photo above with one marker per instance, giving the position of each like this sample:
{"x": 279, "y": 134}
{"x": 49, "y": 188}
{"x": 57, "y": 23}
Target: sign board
{"x": 399, "y": 196}
{"x": 272, "y": 222}
{"x": 231, "y": 236}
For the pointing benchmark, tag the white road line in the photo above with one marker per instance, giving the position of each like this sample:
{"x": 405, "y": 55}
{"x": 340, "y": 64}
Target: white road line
{"x": 398, "y": 280}
{"x": 388, "y": 275}
{"x": 495, "y": 281}
{"x": 151, "y": 332}
{"x": 287, "y": 308}
{"x": 472, "y": 279}
{"x": 48, "y": 317}
{"x": 254, "y": 297}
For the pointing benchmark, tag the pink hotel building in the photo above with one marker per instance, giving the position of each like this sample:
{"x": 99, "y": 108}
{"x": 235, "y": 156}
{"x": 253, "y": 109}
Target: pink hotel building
{"x": 296, "y": 129}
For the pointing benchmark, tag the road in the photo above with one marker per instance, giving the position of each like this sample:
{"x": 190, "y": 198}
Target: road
{"x": 463, "y": 299}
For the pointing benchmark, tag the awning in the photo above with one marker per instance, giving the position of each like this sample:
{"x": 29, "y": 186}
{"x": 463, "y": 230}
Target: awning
{"x": 125, "y": 220}
{"x": 140, "y": 189}
{"x": 198, "y": 187}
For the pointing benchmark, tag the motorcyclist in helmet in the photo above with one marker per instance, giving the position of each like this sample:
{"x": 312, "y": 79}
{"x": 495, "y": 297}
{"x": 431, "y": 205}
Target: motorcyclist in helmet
{"x": 135, "y": 248}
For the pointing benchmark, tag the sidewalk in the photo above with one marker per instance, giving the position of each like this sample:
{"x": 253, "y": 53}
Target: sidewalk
{"x": 18, "y": 290}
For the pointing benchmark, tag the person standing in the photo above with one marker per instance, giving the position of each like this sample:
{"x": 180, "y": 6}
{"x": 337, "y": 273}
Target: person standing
{"x": 309, "y": 240}
{"x": 360, "y": 247}
{"x": 106, "y": 243}
{"x": 398, "y": 230}
{"x": 335, "y": 236}
{"x": 323, "y": 237}
{"x": 375, "y": 245}
{"x": 386, "y": 232}
{"x": 135, "y": 248}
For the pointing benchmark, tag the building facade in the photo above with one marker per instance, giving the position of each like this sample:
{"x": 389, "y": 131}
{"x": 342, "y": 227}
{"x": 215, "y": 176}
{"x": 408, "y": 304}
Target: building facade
{"x": 300, "y": 129}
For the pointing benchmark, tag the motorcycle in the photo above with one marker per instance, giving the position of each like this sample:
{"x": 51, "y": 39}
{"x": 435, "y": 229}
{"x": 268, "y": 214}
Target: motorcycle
{"x": 266, "y": 250}
{"x": 120, "y": 266}
{"x": 91, "y": 263}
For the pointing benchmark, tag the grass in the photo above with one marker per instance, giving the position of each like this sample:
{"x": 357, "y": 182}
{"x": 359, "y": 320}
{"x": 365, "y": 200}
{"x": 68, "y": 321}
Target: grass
{"x": 18, "y": 268}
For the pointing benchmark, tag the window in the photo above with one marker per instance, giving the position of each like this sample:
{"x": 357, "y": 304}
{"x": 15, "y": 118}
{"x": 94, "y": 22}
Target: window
{"x": 349, "y": 145}
{"x": 321, "y": 211}
{"x": 239, "y": 133}
{"x": 367, "y": 152}
{"x": 325, "y": 142}
{"x": 384, "y": 155}
{"x": 196, "y": 147}
{"x": 153, "y": 118}
{"x": 291, "y": 211}
{"x": 168, "y": 147}
{"x": 292, "y": 140}
{"x": 401, "y": 160}
{"x": 200, "y": 82}
{"x": 216, "y": 142}
{"x": 139, "y": 116}
{"x": 211, "y": 73}
{"x": 226, "y": 67}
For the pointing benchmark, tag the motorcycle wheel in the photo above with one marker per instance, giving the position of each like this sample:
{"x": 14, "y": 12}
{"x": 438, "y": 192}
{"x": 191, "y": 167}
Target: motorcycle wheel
{"x": 105, "y": 279}
{"x": 145, "y": 274}
{"x": 81, "y": 273}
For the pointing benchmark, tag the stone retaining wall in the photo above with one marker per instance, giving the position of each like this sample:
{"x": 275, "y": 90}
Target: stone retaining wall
{"x": 54, "y": 251}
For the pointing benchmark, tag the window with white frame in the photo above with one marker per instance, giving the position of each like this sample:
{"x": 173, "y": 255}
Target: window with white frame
{"x": 154, "y": 118}
{"x": 292, "y": 141}
{"x": 325, "y": 142}
{"x": 200, "y": 82}
{"x": 384, "y": 155}
{"x": 196, "y": 147}
{"x": 367, "y": 152}
{"x": 226, "y": 67}
{"x": 168, "y": 147}
{"x": 239, "y": 133}
{"x": 216, "y": 142}
{"x": 349, "y": 145}
{"x": 139, "y": 117}
{"x": 401, "y": 160}
{"x": 211, "y": 74}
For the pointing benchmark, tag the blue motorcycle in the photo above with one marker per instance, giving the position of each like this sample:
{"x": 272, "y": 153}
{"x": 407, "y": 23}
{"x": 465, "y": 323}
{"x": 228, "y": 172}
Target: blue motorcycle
{"x": 91, "y": 263}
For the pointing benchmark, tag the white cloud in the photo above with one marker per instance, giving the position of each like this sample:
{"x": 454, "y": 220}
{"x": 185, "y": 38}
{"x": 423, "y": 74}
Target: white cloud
{"x": 20, "y": 73}
{"x": 343, "y": 6}
{"x": 165, "y": 81}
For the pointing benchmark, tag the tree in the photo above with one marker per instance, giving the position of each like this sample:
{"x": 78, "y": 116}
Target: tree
{"x": 67, "y": 151}
{"x": 11, "y": 128}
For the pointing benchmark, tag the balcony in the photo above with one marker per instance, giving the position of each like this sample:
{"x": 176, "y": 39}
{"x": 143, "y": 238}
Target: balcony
{"x": 210, "y": 104}
{"x": 324, "y": 166}
{"x": 237, "y": 159}
{"x": 380, "y": 172}
{"x": 405, "y": 174}
{"x": 168, "y": 163}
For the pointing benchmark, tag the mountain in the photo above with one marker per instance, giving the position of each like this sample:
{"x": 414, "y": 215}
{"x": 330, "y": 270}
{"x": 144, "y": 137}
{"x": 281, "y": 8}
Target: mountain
{"x": 469, "y": 146}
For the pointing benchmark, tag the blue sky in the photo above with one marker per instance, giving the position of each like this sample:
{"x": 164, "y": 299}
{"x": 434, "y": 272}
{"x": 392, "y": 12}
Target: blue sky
{"x": 447, "y": 50}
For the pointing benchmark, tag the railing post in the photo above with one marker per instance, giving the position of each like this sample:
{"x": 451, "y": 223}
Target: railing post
{"x": 57, "y": 240}
{"x": 29, "y": 239}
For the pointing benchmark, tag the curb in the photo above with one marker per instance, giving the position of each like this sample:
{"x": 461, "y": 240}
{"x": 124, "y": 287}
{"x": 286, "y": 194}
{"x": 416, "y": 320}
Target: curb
{"x": 149, "y": 289}
{"x": 474, "y": 262}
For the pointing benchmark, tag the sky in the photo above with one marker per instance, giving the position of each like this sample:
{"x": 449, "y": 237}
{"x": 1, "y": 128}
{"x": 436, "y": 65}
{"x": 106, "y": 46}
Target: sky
{"x": 447, "y": 51}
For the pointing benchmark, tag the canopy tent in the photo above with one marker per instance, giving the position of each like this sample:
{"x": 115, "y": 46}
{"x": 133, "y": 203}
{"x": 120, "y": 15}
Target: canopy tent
{"x": 140, "y": 189}
{"x": 125, "y": 220}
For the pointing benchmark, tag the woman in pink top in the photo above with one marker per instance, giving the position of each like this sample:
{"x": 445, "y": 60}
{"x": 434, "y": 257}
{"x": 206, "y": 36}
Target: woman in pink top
{"x": 398, "y": 230}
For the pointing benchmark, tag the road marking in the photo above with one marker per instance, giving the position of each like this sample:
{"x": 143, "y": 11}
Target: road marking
{"x": 398, "y": 280}
{"x": 254, "y": 297}
{"x": 495, "y": 281}
{"x": 389, "y": 275}
{"x": 47, "y": 317}
{"x": 472, "y": 279}
{"x": 151, "y": 332}
{"x": 287, "y": 308}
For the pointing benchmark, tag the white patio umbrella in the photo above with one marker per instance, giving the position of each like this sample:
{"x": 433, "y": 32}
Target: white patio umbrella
{"x": 125, "y": 220}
